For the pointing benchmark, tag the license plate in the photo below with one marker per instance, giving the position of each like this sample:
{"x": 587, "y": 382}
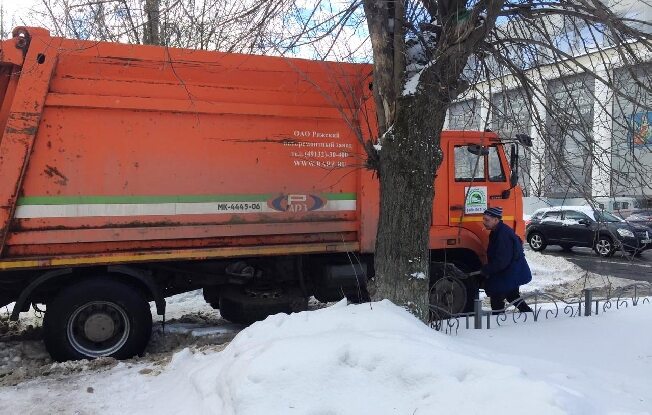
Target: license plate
{"x": 646, "y": 241}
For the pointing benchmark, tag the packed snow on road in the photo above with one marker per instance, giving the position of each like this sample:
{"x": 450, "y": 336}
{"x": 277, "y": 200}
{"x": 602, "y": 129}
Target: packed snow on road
{"x": 353, "y": 359}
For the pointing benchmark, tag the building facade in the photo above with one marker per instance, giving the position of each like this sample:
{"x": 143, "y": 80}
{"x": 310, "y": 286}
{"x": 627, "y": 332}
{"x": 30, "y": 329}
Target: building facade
{"x": 590, "y": 139}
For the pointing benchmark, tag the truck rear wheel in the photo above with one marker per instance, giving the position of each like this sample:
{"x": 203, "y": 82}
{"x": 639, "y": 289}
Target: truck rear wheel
{"x": 97, "y": 318}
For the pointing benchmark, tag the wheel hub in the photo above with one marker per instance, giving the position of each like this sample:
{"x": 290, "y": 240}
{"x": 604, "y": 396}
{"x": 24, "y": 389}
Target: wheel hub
{"x": 99, "y": 327}
{"x": 604, "y": 246}
{"x": 536, "y": 241}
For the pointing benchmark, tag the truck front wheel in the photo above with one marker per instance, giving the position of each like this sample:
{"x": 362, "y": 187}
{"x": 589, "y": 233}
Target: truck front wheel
{"x": 452, "y": 291}
{"x": 97, "y": 318}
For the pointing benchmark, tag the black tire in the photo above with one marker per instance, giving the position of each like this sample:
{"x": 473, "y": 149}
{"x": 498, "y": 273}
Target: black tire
{"x": 452, "y": 290}
{"x": 566, "y": 247}
{"x": 359, "y": 296}
{"x": 96, "y": 318}
{"x": 448, "y": 296}
{"x": 604, "y": 246}
{"x": 537, "y": 241}
{"x": 243, "y": 305}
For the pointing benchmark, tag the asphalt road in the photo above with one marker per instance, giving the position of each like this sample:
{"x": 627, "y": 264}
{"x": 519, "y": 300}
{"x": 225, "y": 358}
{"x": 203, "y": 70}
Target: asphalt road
{"x": 638, "y": 268}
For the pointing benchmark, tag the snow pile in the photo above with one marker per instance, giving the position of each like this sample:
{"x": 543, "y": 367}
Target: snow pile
{"x": 548, "y": 270}
{"x": 371, "y": 359}
{"x": 558, "y": 276}
{"x": 377, "y": 359}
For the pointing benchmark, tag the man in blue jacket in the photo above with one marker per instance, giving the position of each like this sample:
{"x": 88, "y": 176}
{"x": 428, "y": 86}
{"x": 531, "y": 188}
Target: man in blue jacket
{"x": 506, "y": 267}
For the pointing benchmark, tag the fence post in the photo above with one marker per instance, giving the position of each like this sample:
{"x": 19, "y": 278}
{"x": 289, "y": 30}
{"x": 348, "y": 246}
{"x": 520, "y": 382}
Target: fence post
{"x": 477, "y": 310}
{"x": 588, "y": 298}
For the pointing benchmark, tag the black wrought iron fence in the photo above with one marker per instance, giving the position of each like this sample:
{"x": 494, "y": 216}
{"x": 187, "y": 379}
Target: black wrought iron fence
{"x": 544, "y": 306}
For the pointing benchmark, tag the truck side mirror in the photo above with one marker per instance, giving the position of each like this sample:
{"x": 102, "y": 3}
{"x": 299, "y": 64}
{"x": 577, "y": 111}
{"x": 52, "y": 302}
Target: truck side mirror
{"x": 513, "y": 165}
{"x": 584, "y": 222}
{"x": 513, "y": 179}
{"x": 524, "y": 139}
{"x": 478, "y": 150}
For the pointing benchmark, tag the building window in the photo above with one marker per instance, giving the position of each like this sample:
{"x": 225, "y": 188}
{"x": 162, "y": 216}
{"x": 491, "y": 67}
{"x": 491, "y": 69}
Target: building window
{"x": 631, "y": 147}
{"x": 464, "y": 115}
{"x": 511, "y": 115}
{"x": 569, "y": 155}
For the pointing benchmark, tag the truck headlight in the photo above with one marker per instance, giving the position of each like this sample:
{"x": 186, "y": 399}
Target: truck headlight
{"x": 625, "y": 233}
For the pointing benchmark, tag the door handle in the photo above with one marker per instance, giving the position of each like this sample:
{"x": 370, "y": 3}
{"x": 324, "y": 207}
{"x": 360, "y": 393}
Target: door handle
{"x": 456, "y": 207}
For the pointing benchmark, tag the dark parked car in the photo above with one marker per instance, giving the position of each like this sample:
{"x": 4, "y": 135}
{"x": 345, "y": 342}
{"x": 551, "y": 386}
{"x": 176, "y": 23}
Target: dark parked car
{"x": 641, "y": 217}
{"x": 569, "y": 226}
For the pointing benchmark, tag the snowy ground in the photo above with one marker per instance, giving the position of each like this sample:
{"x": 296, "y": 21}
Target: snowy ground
{"x": 555, "y": 275}
{"x": 194, "y": 367}
{"x": 374, "y": 359}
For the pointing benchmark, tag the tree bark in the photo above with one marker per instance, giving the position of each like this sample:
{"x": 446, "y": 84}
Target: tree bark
{"x": 409, "y": 159}
{"x": 410, "y": 127}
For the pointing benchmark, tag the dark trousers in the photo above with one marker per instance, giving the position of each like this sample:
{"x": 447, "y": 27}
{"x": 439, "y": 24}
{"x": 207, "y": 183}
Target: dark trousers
{"x": 498, "y": 301}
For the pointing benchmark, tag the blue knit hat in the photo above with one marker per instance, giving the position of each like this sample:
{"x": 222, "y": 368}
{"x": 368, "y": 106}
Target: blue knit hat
{"x": 496, "y": 212}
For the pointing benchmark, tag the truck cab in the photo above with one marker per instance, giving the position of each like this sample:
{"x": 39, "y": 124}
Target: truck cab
{"x": 477, "y": 173}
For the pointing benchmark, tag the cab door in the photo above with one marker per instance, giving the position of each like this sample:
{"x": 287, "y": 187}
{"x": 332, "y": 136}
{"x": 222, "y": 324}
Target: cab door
{"x": 479, "y": 179}
{"x": 498, "y": 182}
{"x": 468, "y": 180}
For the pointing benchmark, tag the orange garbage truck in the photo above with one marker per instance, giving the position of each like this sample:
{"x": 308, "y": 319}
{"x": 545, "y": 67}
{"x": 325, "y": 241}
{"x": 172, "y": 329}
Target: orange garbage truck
{"x": 131, "y": 173}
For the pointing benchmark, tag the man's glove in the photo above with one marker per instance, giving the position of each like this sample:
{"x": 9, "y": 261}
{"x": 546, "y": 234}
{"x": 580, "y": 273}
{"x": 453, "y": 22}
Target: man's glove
{"x": 480, "y": 278}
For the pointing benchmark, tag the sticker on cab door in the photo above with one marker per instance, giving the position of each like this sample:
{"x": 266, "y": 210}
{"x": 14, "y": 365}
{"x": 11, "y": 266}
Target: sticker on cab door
{"x": 476, "y": 199}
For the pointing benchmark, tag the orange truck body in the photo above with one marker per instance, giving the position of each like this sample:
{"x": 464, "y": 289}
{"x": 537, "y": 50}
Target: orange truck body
{"x": 119, "y": 153}
{"x": 115, "y": 154}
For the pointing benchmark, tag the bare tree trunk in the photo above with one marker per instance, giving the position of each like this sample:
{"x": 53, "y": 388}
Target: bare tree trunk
{"x": 152, "y": 29}
{"x": 410, "y": 126}
{"x": 408, "y": 160}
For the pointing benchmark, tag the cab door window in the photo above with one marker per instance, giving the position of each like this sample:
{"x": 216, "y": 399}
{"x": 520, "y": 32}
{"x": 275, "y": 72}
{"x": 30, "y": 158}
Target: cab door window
{"x": 496, "y": 172}
{"x": 466, "y": 164}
